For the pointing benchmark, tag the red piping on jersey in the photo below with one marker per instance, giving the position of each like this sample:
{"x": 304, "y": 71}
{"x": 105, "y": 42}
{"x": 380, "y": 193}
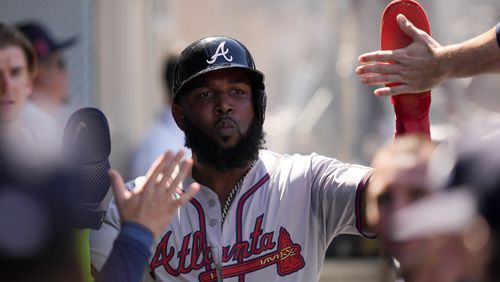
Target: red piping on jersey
{"x": 359, "y": 207}
{"x": 239, "y": 214}
{"x": 239, "y": 210}
{"x": 201, "y": 217}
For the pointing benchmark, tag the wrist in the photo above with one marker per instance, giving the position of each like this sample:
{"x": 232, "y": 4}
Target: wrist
{"x": 137, "y": 232}
{"x": 444, "y": 68}
{"x": 136, "y": 219}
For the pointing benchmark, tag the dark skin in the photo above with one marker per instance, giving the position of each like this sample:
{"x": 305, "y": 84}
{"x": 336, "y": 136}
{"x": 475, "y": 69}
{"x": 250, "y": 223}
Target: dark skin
{"x": 219, "y": 103}
{"x": 214, "y": 96}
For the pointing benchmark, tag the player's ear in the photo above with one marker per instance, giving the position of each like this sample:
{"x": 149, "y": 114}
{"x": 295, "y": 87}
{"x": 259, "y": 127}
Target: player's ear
{"x": 178, "y": 115}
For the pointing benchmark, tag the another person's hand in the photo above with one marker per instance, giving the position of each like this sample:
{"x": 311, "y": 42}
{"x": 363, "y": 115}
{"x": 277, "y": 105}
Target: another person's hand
{"x": 154, "y": 202}
{"x": 416, "y": 67}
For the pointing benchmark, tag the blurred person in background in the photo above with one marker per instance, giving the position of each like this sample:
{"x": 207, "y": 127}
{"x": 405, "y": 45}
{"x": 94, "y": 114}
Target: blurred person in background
{"x": 21, "y": 142}
{"x": 476, "y": 170}
{"x": 38, "y": 214}
{"x": 447, "y": 231}
{"x": 436, "y": 225}
{"x": 18, "y": 68}
{"x": 399, "y": 181}
{"x": 36, "y": 237}
{"x": 425, "y": 64}
{"x": 164, "y": 135}
{"x": 50, "y": 87}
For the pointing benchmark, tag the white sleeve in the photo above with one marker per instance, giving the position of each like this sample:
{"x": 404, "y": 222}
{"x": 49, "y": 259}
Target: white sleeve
{"x": 101, "y": 241}
{"x": 335, "y": 195}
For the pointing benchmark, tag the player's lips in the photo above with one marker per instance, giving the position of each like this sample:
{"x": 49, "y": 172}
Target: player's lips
{"x": 225, "y": 127}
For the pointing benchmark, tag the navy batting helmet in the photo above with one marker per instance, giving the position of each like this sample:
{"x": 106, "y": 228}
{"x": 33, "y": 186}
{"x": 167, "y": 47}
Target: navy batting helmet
{"x": 215, "y": 53}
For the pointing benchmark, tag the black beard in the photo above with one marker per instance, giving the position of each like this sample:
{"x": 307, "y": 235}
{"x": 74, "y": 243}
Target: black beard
{"x": 209, "y": 152}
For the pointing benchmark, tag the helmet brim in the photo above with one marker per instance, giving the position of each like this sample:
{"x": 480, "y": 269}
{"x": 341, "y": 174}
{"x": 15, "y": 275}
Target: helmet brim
{"x": 256, "y": 76}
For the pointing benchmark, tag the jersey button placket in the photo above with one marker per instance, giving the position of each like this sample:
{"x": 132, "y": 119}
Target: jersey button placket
{"x": 214, "y": 234}
{"x": 211, "y": 203}
{"x": 212, "y": 222}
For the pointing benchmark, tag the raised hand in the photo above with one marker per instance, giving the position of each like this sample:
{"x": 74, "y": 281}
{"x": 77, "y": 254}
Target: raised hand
{"x": 155, "y": 201}
{"x": 416, "y": 67}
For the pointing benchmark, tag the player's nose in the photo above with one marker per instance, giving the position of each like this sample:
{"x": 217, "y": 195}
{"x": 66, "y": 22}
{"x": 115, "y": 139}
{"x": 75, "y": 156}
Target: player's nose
{"x": 223, "y": 105}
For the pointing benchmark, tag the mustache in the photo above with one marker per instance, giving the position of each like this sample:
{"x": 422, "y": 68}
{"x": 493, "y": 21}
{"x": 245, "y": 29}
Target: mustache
{"x": 225, "y": 122}
{"x": 224, "y": 159}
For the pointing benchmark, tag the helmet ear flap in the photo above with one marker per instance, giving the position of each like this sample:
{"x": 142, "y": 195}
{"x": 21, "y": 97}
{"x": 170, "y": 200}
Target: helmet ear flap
{"x": 260, "y": 104}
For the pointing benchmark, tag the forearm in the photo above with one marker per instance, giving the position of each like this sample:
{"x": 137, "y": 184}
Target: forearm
{"x": 478, "y": 55}
{"x": 129, "y": 256}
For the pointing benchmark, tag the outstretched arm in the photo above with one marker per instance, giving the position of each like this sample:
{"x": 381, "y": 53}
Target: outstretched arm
{"x": 475, "y": 56}
{"x": 424, "y": 63}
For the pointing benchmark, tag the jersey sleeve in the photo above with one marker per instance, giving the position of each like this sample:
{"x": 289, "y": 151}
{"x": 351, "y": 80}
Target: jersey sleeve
{"x": 336, "y": 194}
{"x": 101, "y": 241}
{"x": 129, "y": 256}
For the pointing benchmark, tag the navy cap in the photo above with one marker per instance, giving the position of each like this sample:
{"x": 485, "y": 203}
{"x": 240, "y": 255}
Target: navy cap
{"x": 478, "y": 167}
{"x": 43, "y": 41}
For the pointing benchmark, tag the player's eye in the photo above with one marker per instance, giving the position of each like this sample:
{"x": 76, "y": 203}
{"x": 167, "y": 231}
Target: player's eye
{"x": 16, "y": 71}
{"x": 238, "y": 91}
{"x": 204, "y": 94}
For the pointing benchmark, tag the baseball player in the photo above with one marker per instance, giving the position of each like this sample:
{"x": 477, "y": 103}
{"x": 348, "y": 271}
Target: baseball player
{"x": 259, "y": 215}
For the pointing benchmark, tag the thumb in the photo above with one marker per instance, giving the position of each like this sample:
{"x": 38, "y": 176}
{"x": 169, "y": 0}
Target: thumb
{"x": 406, "y": 26}
{"x": 118, "y": 186}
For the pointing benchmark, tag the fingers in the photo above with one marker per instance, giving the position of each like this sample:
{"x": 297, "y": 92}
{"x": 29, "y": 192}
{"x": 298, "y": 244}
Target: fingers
{"x": 393, "y": 90}
{"x": 377, "y": 56}
{"x": 168, "y": 168}
{"x": 183, "y": 172}
{"x": 157, "y": 167}
{"x": 406, "y": 26}
{"x": 118, "y": 186}
{"x": 172, "y": 188}
{"x": 382, "y": 79}
{"x": 188, "y": 195}
{"x": 399, "y": 54}
{"x": 380, "y": 68}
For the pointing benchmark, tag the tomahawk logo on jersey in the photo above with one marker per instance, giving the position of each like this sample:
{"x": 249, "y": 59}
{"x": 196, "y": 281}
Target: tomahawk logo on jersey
{"x": 277, "y": 229}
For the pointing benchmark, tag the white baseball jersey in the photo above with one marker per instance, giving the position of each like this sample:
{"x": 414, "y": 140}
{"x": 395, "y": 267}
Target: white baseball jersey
{"x": 278, "y": 227}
